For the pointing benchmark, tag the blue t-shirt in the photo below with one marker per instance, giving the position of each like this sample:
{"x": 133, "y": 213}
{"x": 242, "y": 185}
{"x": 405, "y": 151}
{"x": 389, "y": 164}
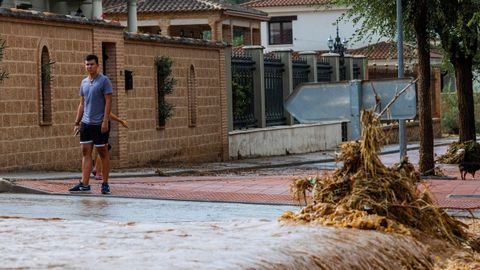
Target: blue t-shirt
{"x": 94, "y": 94}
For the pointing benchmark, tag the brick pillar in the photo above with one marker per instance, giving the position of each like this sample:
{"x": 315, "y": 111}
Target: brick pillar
{"x": 256, "y": 52}
{"x": 164, "y": 27}
{"x": 311, "y": 58}
{"x": 256, "y": 37}
{"x": 216, "y": 28}
{"x": 334, "y": 60}
{"x": 228, "y": 81}
{"x": 225, "y": 80}
{"x": 286, "y": 58}
{"x": 246, "y": 36}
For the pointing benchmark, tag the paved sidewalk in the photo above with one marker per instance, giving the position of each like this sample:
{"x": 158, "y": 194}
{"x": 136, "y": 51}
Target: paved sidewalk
{"x": 323, "y": 157}
{"x": 274, "y": 189}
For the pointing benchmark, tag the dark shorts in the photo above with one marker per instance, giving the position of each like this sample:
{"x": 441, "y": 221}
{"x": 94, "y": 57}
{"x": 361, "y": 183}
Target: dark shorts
{"x": 92, "y": 134}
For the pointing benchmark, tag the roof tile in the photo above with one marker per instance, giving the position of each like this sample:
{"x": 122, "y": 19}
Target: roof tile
{"x": 388, "y": 50}
{"x": 282, "y": 3}
{"x": 160, "y": 6}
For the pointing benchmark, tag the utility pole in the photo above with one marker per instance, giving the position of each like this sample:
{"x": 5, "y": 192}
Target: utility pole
{"x": 402, "y": 124}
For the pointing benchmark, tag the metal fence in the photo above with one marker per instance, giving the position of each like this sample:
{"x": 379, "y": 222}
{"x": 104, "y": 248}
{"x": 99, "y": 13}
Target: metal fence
{"x": 242, "y": 92}
{"x": 300, "y": 71}
{"x": 274, "y": 91}
{"x": 342, "y": 72}
{"x": 324, "y": 71}
{"x": 356, "y": 71}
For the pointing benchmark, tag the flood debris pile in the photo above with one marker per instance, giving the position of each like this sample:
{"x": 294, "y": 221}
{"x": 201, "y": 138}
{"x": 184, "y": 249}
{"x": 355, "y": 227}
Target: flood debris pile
{"x": 457, "y": 152}
{"x": 366, "y": 194}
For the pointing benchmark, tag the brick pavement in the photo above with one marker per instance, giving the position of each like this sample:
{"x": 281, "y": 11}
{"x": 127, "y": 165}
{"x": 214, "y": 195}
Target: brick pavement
{"x": 453, "y": 194}
{"x": 274, "y": 189}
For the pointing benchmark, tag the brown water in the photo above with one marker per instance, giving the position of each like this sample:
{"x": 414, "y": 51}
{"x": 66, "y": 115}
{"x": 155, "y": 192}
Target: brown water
{"x": 33, "y": 243}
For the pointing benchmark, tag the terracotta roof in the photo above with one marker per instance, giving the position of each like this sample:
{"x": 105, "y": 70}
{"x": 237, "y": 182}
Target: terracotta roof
{"x": 388, "y": 50}
{"x": 283, "y": 3}
{"x": 161, "y": 6}
{"x": 48, "y": 16}
{"x": 174, "y": 40}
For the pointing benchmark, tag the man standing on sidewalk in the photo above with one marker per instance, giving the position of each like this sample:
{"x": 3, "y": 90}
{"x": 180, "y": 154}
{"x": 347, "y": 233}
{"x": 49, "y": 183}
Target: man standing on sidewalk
{"x": 92, "y": 122}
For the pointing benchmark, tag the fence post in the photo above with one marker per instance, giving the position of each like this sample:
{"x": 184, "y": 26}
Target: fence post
{"x": 348, "y": 67}
{"x": 256, "y": 52}
{"x": 228, "y": 81}
{"x": 311, "y": 58}
{"x": 334, "y": 60}
{"x": 286, "y": 58}
{"x": 362, "y": 62}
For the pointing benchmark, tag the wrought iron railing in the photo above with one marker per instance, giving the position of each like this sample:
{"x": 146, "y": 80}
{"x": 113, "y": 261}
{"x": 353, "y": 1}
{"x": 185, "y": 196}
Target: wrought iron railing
{"x": 343, "y": 72}
{"x": 242, "y": 92}
{"x": 274, "y": 91}
{"x": 324, "y": 71}
{"x": 300, "y": 71}
{"x": 356, "y": 72}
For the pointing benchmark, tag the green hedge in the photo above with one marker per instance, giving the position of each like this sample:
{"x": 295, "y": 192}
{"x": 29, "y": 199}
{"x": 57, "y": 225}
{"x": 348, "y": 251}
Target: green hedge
{"x": 450, "y": 112}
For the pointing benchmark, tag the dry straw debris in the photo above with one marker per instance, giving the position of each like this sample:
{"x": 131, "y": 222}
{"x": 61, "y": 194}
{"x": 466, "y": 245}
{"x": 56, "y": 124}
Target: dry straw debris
{"x": 366, "y": 194}
{"x": 457, "y": 152}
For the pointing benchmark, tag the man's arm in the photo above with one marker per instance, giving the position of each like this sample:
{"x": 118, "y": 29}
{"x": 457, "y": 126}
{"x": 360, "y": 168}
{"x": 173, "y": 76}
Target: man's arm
{"x": 78, "y": 118}
{"x": 106, "y": 115}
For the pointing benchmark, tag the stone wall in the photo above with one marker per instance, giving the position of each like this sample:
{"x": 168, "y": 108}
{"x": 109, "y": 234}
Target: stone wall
{"x": 28, "y": 143}
{"x": 413, "y": 131}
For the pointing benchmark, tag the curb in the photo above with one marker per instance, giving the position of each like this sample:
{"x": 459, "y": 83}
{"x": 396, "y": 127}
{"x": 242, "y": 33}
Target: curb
{"x": 187, "y": 172}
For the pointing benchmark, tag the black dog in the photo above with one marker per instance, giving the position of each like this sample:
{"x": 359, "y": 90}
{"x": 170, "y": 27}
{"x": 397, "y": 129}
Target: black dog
{"x": 468, "y": 167}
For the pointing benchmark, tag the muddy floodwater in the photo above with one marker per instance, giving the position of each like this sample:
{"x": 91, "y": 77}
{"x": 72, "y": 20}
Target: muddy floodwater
{"x": 65, "y": 241}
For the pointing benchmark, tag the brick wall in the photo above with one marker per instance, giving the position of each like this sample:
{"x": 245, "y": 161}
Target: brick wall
{"x": 26, "y": 144}
{"x": 148, "y": 143}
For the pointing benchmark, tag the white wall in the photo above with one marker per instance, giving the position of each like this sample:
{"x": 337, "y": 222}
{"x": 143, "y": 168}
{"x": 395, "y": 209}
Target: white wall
{"x": 312, "y": 28}
{"x": 280, "y": 140}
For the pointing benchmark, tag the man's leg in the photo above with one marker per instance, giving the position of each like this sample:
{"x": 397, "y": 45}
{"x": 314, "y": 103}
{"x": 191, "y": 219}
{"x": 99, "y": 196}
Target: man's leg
{"x": 105, "y": 157}
{"x": 98, "y": 165}
{"x": 86, "y": 162}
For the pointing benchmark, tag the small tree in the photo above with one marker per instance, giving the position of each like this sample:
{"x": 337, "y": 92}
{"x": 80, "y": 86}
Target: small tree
{"x": 165, "y": 84}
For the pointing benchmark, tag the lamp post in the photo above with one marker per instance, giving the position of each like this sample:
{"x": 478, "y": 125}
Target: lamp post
{"x": 338, "y": 46}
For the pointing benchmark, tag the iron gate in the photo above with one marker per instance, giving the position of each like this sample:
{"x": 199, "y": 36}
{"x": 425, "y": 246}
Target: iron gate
{"x": 324, "y": 71}
{"x": 242, "y": 92}
{"x": 274, "y": 91}
{"x": 300, "y": 71}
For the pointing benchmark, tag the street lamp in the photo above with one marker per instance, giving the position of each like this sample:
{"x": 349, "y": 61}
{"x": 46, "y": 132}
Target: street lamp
{"x": 338, "y": 46}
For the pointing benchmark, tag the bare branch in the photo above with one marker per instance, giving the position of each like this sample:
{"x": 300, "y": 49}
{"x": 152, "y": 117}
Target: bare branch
{"x": 378, "y": 102}
{"x": 398, "y": 94}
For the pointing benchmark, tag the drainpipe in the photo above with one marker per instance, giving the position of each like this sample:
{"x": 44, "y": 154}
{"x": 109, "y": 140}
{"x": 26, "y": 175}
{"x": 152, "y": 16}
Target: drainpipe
{"x": 86, "y": 8}
{"x": 97, "y": 11}
{"x": 132, "y": 16}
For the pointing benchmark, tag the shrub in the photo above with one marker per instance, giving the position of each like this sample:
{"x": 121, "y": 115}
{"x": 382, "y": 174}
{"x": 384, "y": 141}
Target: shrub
{"x": 450, "y": 112}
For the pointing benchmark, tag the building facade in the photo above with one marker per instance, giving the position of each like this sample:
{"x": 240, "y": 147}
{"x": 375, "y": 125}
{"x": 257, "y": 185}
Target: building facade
{"x": 44, "y": 59}
{"x": 303, "y": 25}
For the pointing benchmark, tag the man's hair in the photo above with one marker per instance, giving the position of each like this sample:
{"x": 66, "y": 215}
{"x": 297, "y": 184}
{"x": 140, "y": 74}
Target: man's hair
{"x": 91, "y": 57}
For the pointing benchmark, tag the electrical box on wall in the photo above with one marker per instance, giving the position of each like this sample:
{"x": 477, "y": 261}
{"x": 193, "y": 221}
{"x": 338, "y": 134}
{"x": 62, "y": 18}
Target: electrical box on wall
{"x": 128, "y": 80}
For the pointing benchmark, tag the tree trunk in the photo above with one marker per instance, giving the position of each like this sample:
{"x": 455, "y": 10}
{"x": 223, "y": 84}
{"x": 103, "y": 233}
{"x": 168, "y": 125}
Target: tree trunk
{"x": 464, "y": 83}
{"x": 426, "y": 163}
